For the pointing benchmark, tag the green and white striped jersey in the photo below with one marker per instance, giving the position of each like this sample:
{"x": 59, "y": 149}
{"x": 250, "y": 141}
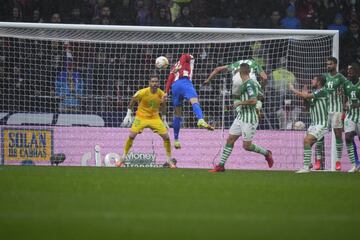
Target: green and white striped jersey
{"x": 319, "y": 107}
{"x": 333, "y": 85}
{"x": 352, "y": 92}
{"x": 247, "y": 113}
{"x": 236, "y": 78}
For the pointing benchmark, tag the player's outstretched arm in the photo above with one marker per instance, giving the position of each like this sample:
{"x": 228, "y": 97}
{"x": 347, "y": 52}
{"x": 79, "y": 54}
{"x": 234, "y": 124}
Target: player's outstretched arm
{"x": 129, "y": 115}
{"x": 304, "y": 95}
{"x": 163, "y": 110}
{"x": 215, "y": 72}
{"x": 263, "y": 77}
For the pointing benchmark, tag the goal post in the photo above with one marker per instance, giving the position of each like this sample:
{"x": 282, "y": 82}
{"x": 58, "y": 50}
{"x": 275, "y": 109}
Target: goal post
{"x": 109, "y": 64}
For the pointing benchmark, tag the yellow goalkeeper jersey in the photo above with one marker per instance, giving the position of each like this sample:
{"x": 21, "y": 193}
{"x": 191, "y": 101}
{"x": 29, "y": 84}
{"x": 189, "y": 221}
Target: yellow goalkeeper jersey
{"x": 149, "y": 103}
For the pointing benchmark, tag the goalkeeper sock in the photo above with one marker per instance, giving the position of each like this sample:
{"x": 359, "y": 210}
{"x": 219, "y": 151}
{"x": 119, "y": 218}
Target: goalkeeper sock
{"x": 225, "y": 154}
{"x": 355, "y": 152}
{"x": 197, "y": 110}
{"x": 258, "y": 149}
{"x": 128, "y": 144}
{"x": 167, "y": 146}
{"x": 176, "y": 126}
{"x": 307, "y": 155}
{"x": 319, "y": 149}
{"x": 350, "y": 150}
{"x": 339, "y": 147}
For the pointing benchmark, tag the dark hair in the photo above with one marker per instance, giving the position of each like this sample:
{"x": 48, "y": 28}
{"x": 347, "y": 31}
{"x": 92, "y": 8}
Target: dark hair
{"x": 153, "y": 76}
{"x": 244, "y": 67}
{"x": 321, "y": 79}
{"x": 332, "y": 59}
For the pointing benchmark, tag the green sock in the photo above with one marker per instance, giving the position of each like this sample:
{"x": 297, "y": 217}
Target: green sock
{"x": 339, "y": 147}
{"x": 258, "y": 149}
{"x": 225, "y": 154}
{"x": 319, "y": 149}
{"x": 350, "y": 150}
{"x": 307, "y": 155}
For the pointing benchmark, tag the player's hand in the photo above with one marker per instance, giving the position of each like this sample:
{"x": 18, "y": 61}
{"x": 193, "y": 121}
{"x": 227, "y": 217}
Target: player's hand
{"x": 206, "y": 82}
{"x": 128, "y": 119}
{"x": 164, "y": 98}
{"x": 291, "y": 87}
{"x": 164, "y": 121}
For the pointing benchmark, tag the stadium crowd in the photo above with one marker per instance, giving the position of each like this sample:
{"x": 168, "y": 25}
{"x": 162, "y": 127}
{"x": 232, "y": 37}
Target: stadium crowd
{"x": 342, "y": 15}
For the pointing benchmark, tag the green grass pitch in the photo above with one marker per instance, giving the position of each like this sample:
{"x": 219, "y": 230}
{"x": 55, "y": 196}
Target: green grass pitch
{"x": 108, "y": 203}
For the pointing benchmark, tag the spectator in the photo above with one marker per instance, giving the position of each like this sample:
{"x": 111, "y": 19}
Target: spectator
{"x": 75, "y": 17}
{"x": 350, "y": 42}
{"x": 105, "y": 16}
{"x": 338, "y": 25}
{"x": 69, "y": 88}
{"x": 162, "y": 17}
{"x": 308, "y": 14}
{"x": 290, "y": 21}
{"x": 142, "y": 14}
{"x": 16, "y": 15}
{"x": 35, "y": 18}
{"x": 220, "y": 12}
{"x": 273, "y": 21}
{"x": 55, "y": 18}
{"x": 184, "y": 20}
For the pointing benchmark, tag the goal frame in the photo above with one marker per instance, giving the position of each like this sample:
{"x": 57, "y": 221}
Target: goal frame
{"x": 154, "y": 29}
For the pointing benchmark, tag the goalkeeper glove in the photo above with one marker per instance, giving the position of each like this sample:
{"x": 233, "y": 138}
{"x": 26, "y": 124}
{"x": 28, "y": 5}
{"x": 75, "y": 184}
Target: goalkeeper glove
{"x": 128, "y": 119}
{"x": 164, "y": 121}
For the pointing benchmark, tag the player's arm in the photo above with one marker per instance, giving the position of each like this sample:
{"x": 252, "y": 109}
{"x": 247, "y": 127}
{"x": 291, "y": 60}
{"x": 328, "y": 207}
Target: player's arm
{"x": 251, "y": 91}
{"x": 263, "y": 78}
{"x": 249, "y": 102}
{"x": 215, "y": 72}
{"x": 129, "y": 115}
{"x": 304, "y": 95}
{"x": 163, "y": 109}
{"x": 169, "y": 82}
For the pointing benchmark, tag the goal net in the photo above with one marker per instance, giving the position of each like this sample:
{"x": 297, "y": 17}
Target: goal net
{"x": 77, "y": 80}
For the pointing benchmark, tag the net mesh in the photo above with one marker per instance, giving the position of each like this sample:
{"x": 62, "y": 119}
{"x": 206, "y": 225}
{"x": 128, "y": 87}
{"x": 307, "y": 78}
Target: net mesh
{"x": 108, "y": 67}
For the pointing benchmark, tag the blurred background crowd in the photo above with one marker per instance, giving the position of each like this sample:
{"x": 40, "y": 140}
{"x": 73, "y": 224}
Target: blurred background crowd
{"x": 342, "y": 15}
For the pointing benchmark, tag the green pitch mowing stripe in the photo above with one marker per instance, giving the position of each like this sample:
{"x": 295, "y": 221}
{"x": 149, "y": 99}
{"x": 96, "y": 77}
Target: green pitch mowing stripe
{"x": 108, "y": 203}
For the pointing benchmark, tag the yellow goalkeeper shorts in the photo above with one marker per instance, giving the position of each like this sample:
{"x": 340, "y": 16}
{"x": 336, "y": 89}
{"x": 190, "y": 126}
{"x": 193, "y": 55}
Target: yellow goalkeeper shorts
{"x": 156, "y": 125}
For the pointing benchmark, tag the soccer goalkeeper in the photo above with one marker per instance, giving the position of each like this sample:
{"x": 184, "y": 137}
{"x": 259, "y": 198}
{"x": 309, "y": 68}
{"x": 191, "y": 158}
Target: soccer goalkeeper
{"x": 150, "y": 100}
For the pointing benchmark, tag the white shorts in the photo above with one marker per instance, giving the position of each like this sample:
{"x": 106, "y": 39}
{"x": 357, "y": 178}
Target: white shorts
{"x": 351, "y": 126}
{"x": 318, "y": 131}
{"x": 240, "y": 128}
{"x": 334, "y": 119}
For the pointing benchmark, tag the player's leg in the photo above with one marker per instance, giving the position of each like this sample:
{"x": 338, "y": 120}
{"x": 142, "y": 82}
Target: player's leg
{"x": 234, "y": 134}
{"x": 319, "y": 153}
{"x": 177, "y": 126}
{"x": 170, "y": 161}
{"x": 337, "y": 126}
{"x": 355, "y": 152}
{"x": 314, "y": 133}
{"x": 190, "y": 94}
{"x": 137, "y": 127}
{"x": 158, "y": 126}
{"x": 248, "y": 132}
{"x": 350, "y": 132}
{"x": 177, "y": 102}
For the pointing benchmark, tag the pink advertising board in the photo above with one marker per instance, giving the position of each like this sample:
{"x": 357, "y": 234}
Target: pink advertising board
{"x": 200, "y": 148}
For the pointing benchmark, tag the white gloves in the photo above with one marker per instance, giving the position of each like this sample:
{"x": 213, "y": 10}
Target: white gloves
{"x": 128, "y": 119}
{"x": 164, "y": 121}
